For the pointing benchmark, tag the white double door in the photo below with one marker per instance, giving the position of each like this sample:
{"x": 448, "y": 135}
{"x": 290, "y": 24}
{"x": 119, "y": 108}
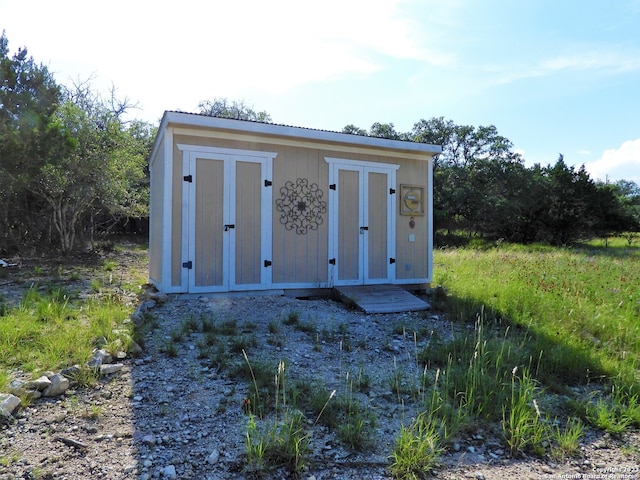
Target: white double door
{"x": 362, "y": 222}
{"x": 226, "y": 221}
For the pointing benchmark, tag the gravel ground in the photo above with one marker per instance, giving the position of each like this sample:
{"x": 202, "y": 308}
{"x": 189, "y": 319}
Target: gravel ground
{"x": 171, "y": 414}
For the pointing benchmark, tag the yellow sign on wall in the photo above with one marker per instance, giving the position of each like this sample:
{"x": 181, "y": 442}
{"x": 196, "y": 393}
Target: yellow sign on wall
{"x": 411, "y": 200}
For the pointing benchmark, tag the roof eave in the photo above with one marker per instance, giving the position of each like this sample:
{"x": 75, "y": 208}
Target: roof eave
{"x": 205, "y": 121}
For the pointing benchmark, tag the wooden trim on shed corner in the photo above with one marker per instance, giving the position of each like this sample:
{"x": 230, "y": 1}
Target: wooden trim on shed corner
{"x": 166, "y": 279}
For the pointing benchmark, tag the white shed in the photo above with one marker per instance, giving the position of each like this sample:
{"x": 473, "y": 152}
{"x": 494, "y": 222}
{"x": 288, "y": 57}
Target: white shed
{"x": 247, "y": 206}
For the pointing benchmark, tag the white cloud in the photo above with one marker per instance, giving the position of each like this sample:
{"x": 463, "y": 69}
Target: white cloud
{"x": 607, "y": 60}
{"x": 622, "y": 163}
{"x": 594, "y": 61}
{"x": 207, "y": 49}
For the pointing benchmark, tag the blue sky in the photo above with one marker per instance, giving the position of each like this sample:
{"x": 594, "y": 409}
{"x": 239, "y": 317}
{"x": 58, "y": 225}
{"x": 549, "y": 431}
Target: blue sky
{"x": 554, "y": 76}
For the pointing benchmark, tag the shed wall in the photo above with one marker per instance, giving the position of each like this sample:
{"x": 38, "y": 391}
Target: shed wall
{"x": 302, "y": 259}
{"x": 412, "y": 260}
{"x": 176, "y": 219}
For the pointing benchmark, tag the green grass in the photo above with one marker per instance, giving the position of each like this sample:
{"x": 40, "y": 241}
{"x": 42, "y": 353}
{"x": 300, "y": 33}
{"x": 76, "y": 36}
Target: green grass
{"x": 291, "y": 318}
{"x": 53, "y": 326}
{"x": 280, "y": 444}
{"x": 578, "y": 306}
{"x": 51, "y": 331}
{"x": 567, "y": 440}
{"x": 614, "y": 412}
{"x": 283, "y": 441}
{"x": 522, "y": 424}
{"x": 417, "y": 449}
{"x": 545, "y": 318}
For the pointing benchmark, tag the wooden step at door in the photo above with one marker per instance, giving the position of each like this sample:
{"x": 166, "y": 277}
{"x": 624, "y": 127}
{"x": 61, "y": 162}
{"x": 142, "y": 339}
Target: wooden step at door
{"x": 384, "y": 298}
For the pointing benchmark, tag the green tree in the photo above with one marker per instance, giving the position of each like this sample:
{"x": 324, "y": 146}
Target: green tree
{"x": 616, "y": 208}
{"x": 238, "y": 110}
{"x": 532, "y": 206}
{"x": 566, "y": 217}
{"x": 496, "y": 193}
{"x": 437, "y": 131}
{"x": 463, "y": 144}
{"x": 385, "y": 130}
{"x": 628, "y": 193}
{"x": 476, "y": 177}
{"x": 102, "y": 176}
{"x": 481, "y": 186}
{"x": 68, "y": 161}
{"x": 352, "y": 129}
{"x": 29, "y": 135}
{"x": 378, "y": 130}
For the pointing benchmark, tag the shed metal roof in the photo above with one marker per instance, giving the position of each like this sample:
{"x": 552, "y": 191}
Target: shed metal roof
{"x": 301, "y": 133}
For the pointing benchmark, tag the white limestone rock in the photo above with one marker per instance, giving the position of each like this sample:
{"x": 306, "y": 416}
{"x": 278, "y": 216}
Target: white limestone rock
{"x": 213, "y": 457}
{"x": 110, "y": 368}
{"x": 9, "y": 402}
{"x": 17, "y": 387}
{"x": 59, "y": 385}
{"x": 40, "y": 383}
{"x": 99, "y": 357}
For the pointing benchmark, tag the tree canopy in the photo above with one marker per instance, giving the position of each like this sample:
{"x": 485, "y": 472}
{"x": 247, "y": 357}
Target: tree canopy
{"x": 70, "y": 165}
{"x": 482, "y": 186}
{"x": 238, "y": 110}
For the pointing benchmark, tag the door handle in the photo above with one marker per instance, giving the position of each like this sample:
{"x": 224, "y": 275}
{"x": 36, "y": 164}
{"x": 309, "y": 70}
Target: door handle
{"x": 363, "y": 229}
{"x": 228, "y": 226}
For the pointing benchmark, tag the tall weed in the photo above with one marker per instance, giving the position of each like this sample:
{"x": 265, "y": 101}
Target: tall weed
{"x": 522, "y": 425}
{"x": 417, "y": 449}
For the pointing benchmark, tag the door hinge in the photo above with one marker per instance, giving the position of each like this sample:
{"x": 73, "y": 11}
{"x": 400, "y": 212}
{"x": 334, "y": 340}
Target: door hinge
{"x": 392, "y": 261}
{"x": 332, "y": 261}
{"x": 332, "y": 186}
{"x": 392, "y": 191}
{"x": 188, "y": 178}
{"x": 188, "y": 265}
{"x": 268, "y": 183}
{"x": 267, "y": 263}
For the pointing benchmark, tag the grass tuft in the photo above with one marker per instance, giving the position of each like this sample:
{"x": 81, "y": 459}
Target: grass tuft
{"x": 417, "y": 450}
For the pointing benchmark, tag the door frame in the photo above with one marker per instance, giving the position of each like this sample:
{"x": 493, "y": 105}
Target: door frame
{"x": 229, "y": 157}
{"x": 363, "y": 168}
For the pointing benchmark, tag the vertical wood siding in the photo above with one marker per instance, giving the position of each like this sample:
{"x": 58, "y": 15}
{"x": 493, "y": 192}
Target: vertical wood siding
{"x": 377, "y": 222}
{"x": 348, "y": 225}
{"x": 297, "y": 257}
{"x": 412, "y": 258}
{"x": 176, "y": 219}
{"x": 248, "y": 227}
{"x": 209, "y": 183}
